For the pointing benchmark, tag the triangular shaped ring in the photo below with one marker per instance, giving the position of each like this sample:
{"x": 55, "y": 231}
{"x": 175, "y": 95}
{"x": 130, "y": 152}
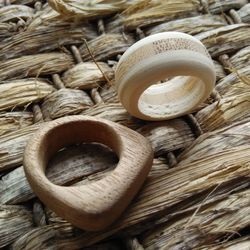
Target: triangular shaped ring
{"x": 96, "y": 205}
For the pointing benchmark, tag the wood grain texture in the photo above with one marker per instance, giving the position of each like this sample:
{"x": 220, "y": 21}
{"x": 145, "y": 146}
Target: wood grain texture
{"x": 96, "y": 205}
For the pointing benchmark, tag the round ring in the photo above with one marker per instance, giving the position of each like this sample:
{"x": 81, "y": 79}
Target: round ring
{"x": 96, "y": 205}
{"x": 180, "y": 60}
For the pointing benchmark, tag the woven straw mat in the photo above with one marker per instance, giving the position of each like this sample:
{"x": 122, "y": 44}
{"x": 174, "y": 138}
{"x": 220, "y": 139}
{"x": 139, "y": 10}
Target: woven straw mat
{"x": 58, "y": 58}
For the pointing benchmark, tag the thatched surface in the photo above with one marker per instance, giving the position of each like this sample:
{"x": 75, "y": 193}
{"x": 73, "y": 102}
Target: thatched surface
{"x": 16, "y": 220}
{"x": 65, "y": 102}
{"x": 190, "y": 25}
{"x": 102, "y": 49}
{"x": 42, "y": 39}
{"x": 87, "y": 75}
{"x": 23, "y": 92}
{"x": 12, "y": 145}
{"x": 12, "y": 12}
{"x": 35, "y": 65}
{"x": 80, "y": 9}
{"x": 11, "y": 121}
{"x": 58, "y": 59}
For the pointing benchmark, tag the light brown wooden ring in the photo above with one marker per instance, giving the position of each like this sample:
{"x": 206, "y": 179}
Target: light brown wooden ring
{"x": 96, "y": 205}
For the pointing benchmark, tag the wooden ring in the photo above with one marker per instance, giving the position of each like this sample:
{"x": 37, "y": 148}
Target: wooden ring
{"x": 96, "y": 205}
{"x": 176, "y": 56}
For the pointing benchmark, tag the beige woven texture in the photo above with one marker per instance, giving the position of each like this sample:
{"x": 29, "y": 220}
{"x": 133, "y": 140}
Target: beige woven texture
{"x": 58, "y": 59}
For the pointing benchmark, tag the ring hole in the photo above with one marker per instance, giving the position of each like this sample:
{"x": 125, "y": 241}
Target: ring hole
{"x": 75, "y": 149}
{"x": 172, "y": 97}
{"x": 81, "y": 163}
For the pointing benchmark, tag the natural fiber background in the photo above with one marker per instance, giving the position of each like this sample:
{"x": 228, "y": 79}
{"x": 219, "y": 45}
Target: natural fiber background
{"x": 197, "y": 195}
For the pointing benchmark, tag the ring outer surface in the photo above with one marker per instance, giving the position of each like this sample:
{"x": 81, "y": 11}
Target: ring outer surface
{"x": 154, "y": 66}
{"x": 98, "y": 204}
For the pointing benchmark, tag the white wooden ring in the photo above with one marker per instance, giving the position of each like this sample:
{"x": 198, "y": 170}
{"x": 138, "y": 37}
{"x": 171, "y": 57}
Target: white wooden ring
{"x": 176, "y": 56}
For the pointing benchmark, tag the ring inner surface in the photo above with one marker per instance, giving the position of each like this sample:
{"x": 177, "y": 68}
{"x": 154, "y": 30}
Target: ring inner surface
{"x": 76, "y": 133}
{"x": 172, "y": 97}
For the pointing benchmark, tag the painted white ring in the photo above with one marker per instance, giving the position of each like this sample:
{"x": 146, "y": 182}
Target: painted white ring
{"x": 158, "y": 57}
